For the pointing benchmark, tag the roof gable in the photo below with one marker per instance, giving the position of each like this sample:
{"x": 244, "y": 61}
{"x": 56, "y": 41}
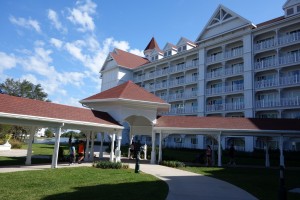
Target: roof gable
{"x": 32, "y": 107}
{"x": 169, "y": 46}
{"x": 290, "y": 3}
{"x": 222, "y": 20}
{"x": 126, "y": 59}
{"x": 152, "y": 45}
{"x": 129, "y": 91}
{"x": 183, "y": 41}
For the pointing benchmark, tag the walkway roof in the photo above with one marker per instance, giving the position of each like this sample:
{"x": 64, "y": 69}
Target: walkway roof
{"x": 18, "y": 110}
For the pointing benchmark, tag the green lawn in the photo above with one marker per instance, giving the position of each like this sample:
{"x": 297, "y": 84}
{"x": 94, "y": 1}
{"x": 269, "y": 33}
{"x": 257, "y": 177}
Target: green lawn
{"x": 81, "y": 183}
{"x": 260, "y": 182}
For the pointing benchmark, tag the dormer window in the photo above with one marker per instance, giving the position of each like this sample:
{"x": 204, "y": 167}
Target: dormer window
{"x": 290, "y": 11}
{"x": 184, "y": 48}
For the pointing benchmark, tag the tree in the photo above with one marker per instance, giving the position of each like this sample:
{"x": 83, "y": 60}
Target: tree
{"x": 23, "y": 89}
{"x": 48, "y": 133}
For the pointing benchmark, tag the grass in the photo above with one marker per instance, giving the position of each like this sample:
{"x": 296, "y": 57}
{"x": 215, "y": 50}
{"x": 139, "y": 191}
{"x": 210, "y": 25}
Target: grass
{"x": 260, "y": 182}
{"x": 81, "y": 183}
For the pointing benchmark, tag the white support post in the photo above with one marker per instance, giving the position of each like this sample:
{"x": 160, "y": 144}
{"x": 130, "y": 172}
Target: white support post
{"x": 153, "y": 153}
{"x": 281, "y": 151}
{"x": 219, "y": 151}
{"x": 267, "y": 161}
{"x": 32, "y": 131}
{"x": 87, "y": 147}
{"x": 213, "y": 151}
{"x": 118, "y": 149}
{"x": 56, "y": 147}
{"x": 112, "y": 146}
{"x": 101, "y": 146}
{"x": 160, "y": 148}
{"x": 91, "y": 158}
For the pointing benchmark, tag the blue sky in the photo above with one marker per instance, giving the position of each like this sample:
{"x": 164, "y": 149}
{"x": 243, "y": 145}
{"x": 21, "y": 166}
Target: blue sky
{"x": 63, "y": 44}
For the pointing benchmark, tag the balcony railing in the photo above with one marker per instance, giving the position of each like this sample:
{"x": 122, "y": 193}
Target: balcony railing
{"x": 234, "y": 88}
{"x": 215, "y": 74}
{"x": 216, "y": 90}
{"x": 288, "y": 59}
{"x": 263, "y": 64}
{"x": 286, "y": 39}
{"x": 214, "y": 58}
{"x": 214, "y": 107}
{"x": 266, "y": 83}
{"x": 234, "y": 70}
{"x": 289, "y": 80}
{"x": 234, "y": 106}
{"x": 283, "y": 102}
{"x": 186, "y": 110}
{"x": 234, "y": 53}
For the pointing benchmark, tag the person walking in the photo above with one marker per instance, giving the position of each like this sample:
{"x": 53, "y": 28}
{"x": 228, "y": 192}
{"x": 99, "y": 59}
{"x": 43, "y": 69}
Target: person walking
{"x": 231, "y": 155}
{"x": 80, "y": 151}
{"x": 208, "y": 156}
{"x": 72, "y": 154}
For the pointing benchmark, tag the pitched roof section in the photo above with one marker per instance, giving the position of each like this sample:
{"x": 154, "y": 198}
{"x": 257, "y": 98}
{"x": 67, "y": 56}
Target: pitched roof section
{"x": 270, "y": 21}
{"x": 127, "y": 60}
{"x": 129, "y": 91}
{"x": 31, "y": 107}
{"x": 227, "y": 123}
{"x": 152, "y": 45}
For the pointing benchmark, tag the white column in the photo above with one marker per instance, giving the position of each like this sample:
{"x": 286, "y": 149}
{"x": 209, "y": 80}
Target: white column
{"x": 267, "y": 161}
{"x": 153, "y": 154}
{"x": 159, "y": 147}
{"x": 32, "y": 131}
{"x": 219, "y": 151}
{"x": 87, "y": 146}
{"x": 118, "y": 150}
{"x": 281, "y": 151}
{"x": 112, "y": 146}
{"x": 101, "y": 146}
{"x": 91, "y": 158}
{"x": 56, "y": 147}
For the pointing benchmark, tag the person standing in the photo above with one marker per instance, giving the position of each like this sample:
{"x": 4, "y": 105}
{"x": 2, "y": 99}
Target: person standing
{"x": 80, "y": 151}
{"x": 231, "y": 155}
{"x": 72, "y": 154}
{"x": 208, "y": 156}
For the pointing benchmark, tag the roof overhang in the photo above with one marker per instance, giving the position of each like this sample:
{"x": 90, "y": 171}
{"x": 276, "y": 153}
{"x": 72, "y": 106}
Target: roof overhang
{"x": 30, "y": 120}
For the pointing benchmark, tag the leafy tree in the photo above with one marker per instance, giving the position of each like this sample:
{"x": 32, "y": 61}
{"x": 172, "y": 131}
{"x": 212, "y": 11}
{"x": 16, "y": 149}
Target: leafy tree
{"x": 74, "y": 134}
{"x": 49, "y": 133}
{"x": 23, "y": 89}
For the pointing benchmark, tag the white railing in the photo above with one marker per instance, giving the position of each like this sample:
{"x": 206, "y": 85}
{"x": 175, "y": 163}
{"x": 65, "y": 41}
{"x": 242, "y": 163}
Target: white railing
{"x": 234, "y": 70}
{"x": 215, "y": 74}
{"x": 288, "y": 59}
{"x": 265, "y": 63}
{"x": 214, "y": 107}
{"x": 234, "y": 106}
{"x": 289, "y": 38}
{"x": 234, "y": 53}
{"x": 234, "y": 88}
{"x": 267, "y": 103}
{"x": 214, "y": 58}
{"x": 265, "y": 44}
{"x": 216, "y": 90}
{"x": 266, "y": 83}
{"x": 289, "y": 80}
{"x": 187, "y": 110}
{"x": 292, "y": 101}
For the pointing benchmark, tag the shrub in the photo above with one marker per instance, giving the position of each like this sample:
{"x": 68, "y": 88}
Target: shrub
{"x": 16, "y": 144}
{"x": 110, "y": 165}
{"x": 171, "y": 163}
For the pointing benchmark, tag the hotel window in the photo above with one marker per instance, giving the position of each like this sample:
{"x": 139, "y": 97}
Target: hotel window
{"x": 298, "y": 9}
{"x": 165, "y": 54}
{"x": 179, "y": 49}
{"x": 194, "y": 140}
{"x": 290, "y": 11}
{"x": 184, "y": 48}
{"x": 169, "y": 53}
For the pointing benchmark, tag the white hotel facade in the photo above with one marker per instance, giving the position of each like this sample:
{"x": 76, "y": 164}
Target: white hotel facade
{"x": 233, "y": 69}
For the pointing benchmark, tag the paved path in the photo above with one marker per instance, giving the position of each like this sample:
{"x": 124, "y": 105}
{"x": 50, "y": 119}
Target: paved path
{"x": 183, "y": 185}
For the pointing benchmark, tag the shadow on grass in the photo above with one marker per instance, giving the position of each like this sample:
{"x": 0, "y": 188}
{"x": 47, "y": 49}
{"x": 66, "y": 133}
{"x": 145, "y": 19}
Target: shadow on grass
{"x": 138, "y": 191}
{"x": 261, "y": 182}
{"x": 13, "y": 161}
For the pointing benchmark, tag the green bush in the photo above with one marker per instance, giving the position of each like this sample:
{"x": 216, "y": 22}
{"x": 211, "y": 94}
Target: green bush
{"x": 171, "y": 163}
{"x": 110, "y": 165}
{"x": 16, "y": 144}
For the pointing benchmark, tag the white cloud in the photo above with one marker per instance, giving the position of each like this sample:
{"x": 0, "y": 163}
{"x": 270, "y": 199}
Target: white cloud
{"x": 7, "y": 61}
{"x": 26, "y": 23}
{"x": 56, "y": 42}
{"x": 81, "y": 15}
{"x": 52, "y": 16}
{"x": 137, "y": 52}
{"x": 123, "y": 45}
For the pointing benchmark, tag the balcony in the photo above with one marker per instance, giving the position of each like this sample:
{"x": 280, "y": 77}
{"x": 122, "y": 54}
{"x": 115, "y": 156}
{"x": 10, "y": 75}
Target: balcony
{"x": 215, "y": 90}
{"x": 289, "y": 38}
{"x": 214, "y": 58}
{"x": 266, "y": 83}
{"x": 234, "y": 70}
{"x": 265, "y": 45}
{"x": 289, "y": 80}
{"x": 182, "y": 111}
{"x": 192, "y": 79}
{"x": 214, "y": 107}
{"x": 289, "y": 59}
{"x": 234, "y": 88}
{"x": 283, "y": 102}
{"x": 234, "y": 53}
{"x": 234, "y": 106}
{"x": 215, "y": 74}
{"x": 264, "y": 64}
{"x": 175, "y": 97}
{"x": 161, "y": 85}
{"x": 176, "y": 82}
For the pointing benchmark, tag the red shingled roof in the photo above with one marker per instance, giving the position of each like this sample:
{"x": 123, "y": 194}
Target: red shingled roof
{"x": 31, "y": 107}
{"x": 153, "y": 45}
{"x": 270, "y": 21}
{"x": 127, "y": 60}
{"x": 228, "y": 123}
{"x": 127, "y": 90}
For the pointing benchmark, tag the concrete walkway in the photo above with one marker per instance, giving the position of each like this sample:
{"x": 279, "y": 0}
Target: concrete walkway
{"x": 182, "y": 184}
